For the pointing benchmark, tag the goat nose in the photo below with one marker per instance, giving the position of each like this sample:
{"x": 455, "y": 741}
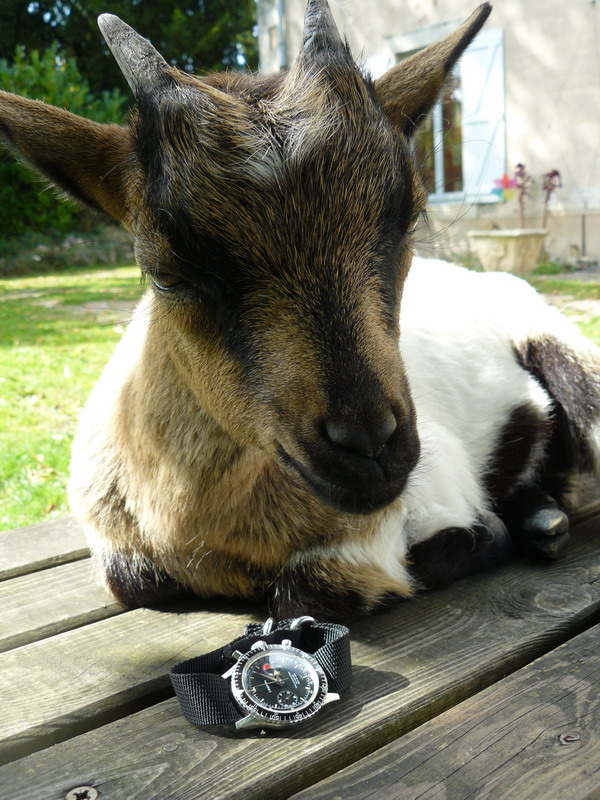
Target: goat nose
{"x": 365, "y": 439}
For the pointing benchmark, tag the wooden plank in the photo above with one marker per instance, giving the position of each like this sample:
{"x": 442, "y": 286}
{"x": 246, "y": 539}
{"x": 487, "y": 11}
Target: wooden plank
{"x": 410, "y": 665}
{"x": 586, "y": 512}
{"x": 57, "y": 687}
{"x": 24, "y": 550}
{"x": 40, "y": 605}
{"x": 535, "y": 734}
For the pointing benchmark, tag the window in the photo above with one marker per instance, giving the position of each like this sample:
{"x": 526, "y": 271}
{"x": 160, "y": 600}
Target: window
{"x": 273, "y": 39}
{"x": 462, "y": 147}
{"x": 438, "y": 144}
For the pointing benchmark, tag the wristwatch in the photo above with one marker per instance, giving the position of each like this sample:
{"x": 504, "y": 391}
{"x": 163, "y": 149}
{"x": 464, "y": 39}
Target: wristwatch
{"x": 277, "y": 675}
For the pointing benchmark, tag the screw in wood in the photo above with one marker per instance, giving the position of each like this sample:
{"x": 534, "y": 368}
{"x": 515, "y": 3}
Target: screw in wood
{"x": 82, "y": 793}
{"x": 567, "y": 738}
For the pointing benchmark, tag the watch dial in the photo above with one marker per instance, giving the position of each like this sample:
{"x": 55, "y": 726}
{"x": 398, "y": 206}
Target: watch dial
{"x": 280, "y": 681}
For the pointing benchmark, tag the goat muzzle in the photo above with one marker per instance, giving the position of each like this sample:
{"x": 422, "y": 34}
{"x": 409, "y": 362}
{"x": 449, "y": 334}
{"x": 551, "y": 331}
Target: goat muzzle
{"x": 357, "y": 468}
{"x": 366, "y": 440}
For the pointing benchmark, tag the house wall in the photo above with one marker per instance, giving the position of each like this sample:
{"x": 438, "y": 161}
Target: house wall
{"x": 552, "y": 75}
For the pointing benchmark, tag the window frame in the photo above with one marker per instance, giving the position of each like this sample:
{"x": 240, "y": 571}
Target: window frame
{"x": 440, "y": 195}
{"x": 481, "y": 70}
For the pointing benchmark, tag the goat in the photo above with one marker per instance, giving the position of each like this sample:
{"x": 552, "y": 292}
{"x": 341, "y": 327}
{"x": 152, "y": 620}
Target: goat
{"x": 272, "y": 424}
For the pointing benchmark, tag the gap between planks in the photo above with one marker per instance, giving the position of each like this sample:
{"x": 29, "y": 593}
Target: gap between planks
{"x": 535, "y": 734}
{"x": 38, "y": 547}
{"x": 42, "y": 604}
{"x": 410, "y": 665}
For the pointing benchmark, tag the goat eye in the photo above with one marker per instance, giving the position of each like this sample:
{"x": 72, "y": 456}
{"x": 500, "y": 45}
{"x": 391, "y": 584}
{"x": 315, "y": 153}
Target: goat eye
{"x": 166, "y": 280}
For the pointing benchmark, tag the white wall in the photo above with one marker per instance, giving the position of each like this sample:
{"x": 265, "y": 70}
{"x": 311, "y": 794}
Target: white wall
{"x": 552, "y": 64}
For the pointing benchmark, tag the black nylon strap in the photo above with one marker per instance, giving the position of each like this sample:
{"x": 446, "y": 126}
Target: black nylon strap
{"x": 204, "y": 696}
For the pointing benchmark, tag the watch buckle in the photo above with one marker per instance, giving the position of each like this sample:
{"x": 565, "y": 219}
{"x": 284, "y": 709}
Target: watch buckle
{"x": 299, "y": 621}
{"x": 267, "y": 626}
{"x": 269, "y": 623}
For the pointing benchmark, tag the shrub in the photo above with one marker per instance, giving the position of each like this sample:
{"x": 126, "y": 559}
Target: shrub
{"x": 39, "y": 252}
{"x": 25, "y": 202}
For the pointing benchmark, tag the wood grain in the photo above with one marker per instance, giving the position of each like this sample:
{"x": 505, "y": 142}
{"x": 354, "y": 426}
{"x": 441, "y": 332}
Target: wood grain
{"x": 411, "y": 664}
{"x": 60, "y": 686}
{"x": 46, "y": 603}
{"x": 586, "y": 512}
{"x": 37, "y": 547}
{"x": 527, "y": 737}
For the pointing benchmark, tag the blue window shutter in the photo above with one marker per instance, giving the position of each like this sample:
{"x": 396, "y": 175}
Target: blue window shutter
{"x": 483, "y": 121}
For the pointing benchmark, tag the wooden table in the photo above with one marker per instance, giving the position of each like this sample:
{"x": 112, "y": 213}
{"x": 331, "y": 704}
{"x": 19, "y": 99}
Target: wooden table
{"x": 489, "y": 689}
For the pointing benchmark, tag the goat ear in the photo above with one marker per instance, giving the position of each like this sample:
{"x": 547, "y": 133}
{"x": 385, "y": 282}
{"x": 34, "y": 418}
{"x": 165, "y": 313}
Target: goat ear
{"x": 408, "y": 91}
{"x": 89, "y": 161}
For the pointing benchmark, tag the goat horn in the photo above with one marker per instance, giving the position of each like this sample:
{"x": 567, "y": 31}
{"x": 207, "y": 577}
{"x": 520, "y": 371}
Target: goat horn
{"x": 320, "y": 30}
{"x": 142, "y": 65}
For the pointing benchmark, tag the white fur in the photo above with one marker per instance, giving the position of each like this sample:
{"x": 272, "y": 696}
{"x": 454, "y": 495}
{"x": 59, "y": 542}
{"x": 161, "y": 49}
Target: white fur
{"x": 458, "y": 333}
{"x": 459, "y": 330}
{"x": 386, "y": 549}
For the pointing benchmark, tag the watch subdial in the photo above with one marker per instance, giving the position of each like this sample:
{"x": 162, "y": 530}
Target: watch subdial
{"x": 287, "y": 699}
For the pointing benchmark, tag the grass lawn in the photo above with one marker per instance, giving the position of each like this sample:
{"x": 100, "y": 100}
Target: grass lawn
{"x": 577, "y": 299}
{"x": 56, "y": 333}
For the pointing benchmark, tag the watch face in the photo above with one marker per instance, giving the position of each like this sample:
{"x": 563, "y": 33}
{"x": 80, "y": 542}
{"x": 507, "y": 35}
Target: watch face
{"x": 280, "y": 684}
{"x": 280, "y": 681}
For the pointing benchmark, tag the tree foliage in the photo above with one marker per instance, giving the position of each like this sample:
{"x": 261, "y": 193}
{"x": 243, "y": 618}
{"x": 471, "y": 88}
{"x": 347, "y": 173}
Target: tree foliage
{"x": 62, "y": 58}
{"x": 195, "y": 35}
{"x": 25, "y": 202}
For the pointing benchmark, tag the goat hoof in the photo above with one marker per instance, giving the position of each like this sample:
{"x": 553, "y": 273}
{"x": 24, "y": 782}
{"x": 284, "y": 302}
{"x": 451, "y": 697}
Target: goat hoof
{"x": 544, "y": 534}
{"x": 550, "y": 521}
{"x": 493, "y": 539}
{"x": 454, "y": 553}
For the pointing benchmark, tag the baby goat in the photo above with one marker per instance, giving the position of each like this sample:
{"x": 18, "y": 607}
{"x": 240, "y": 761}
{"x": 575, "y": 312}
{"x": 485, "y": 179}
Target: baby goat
{"x": 271, "y": 424}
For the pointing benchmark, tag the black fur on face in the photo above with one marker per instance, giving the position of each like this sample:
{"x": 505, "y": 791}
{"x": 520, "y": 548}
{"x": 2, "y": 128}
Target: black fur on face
{"x": 281, "y": 214}
{"x": 247, "y": 192}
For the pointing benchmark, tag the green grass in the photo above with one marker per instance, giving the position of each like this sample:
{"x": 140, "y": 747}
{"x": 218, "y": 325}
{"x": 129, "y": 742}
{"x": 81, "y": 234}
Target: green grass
{"x": 576, "y": 290}
{"x": 573, "y": 290}
{"x": 55, "y": 338}
{"x": 591, "y": 328}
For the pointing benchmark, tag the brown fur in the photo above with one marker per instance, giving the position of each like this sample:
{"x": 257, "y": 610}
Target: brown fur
{"x": 90, "y": 161}
{"x": 205, "y": 451}
{"x": 407, "y": 102}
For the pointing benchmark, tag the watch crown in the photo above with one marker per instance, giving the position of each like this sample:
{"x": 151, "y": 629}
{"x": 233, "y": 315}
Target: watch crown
{"x": 237, "y": 654}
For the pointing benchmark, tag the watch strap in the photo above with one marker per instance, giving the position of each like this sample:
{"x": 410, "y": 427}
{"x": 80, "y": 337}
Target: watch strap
{"x": 205, "y": 696}
{"x": 327, "y": 642}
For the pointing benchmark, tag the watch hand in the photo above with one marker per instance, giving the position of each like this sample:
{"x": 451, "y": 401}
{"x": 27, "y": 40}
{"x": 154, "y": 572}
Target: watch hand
{"x": 275, "y": 675}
